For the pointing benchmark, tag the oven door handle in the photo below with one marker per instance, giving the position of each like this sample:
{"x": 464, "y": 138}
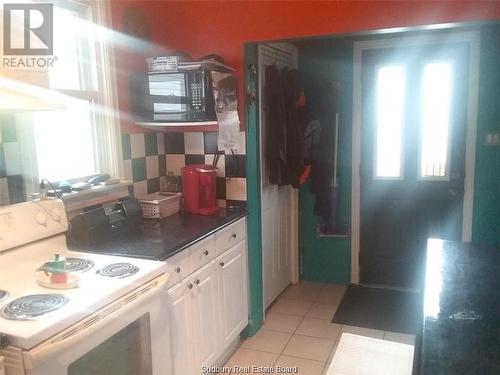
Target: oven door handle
{"x": 101, "y": 321}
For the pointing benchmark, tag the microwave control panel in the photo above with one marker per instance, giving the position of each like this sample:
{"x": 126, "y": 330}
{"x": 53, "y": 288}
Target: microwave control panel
{"x": 197, "y": 94}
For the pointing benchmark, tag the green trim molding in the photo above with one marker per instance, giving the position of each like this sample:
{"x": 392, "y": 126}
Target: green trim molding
{"x": 254, "y": 237}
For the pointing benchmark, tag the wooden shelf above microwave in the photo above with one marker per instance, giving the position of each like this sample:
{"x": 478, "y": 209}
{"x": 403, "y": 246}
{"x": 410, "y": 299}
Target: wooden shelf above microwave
{"x": 195, "y": 126}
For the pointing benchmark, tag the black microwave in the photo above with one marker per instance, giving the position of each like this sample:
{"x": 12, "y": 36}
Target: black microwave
{"x": 181, "y": 96}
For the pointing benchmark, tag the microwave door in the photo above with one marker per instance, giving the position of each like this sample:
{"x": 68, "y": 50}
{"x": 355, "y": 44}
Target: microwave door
{"x": 130, "y": 336}
{"x": 169, "y": 96}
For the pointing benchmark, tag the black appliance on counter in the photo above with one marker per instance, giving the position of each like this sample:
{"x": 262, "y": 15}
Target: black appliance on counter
{"x": 96, "y": 226}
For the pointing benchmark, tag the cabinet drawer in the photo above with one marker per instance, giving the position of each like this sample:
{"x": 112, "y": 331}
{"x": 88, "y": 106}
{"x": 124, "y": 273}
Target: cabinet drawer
{"x": 230, "y": 236}
{"x": 202, "y": 253}
{"x": 178, "y": 267}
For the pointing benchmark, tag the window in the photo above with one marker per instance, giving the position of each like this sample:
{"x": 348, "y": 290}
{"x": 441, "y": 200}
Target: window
{"x": 435, "y": 120}
{"x": 83, "y": 138}
{"x": 75, "y": 156}
{"x": 389, "y": 121}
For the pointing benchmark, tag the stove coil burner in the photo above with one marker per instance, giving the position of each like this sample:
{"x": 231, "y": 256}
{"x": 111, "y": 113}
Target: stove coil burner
{"x": 78, "y": 264}
{"x": 118, "y": 270}
{"x": 3, "y": 295}
{"x": 33, "y": 306}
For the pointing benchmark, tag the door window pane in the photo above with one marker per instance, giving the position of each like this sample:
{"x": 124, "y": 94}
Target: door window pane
{"x": 389, "y": 121}
{"x": 435, "y": 115}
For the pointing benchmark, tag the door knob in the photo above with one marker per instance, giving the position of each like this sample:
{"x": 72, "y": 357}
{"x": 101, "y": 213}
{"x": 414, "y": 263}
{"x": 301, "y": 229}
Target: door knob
{"x": 178, "y": 270}
{"x": 221, "y": 264}
{"x": 190, "y": 286}
{"x": 234, "y": 235}
{"x": 205, "y": 252}
{"x": 197, "y": 281}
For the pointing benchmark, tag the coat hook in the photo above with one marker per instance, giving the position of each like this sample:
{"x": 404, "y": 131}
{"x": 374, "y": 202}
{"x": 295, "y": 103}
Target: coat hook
{"x": 252, "y": 68}
{"x": 251, "y": 89}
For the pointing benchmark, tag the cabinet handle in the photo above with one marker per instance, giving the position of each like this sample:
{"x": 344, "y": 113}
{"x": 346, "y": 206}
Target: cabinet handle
{"x": 234, "y": 235}
{"x": 178, "y": 269}
{"x": 205, "y": 252}
{"x": 190, "y": 286}
{"x": 197, "y": 281}
{"x": 221, "y": 264}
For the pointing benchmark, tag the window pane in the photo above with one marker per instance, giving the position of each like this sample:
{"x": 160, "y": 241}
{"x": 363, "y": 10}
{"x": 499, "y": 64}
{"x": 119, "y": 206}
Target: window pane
{"x": 436, "y": 101}
{"x": 74, "y": 68}
{"x": 63, "y": 140}
{"x": 389, "y": 106}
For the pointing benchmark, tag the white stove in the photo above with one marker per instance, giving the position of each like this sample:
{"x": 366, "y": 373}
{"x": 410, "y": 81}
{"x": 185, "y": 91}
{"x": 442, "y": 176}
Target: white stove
{"x": 41, "y": 323}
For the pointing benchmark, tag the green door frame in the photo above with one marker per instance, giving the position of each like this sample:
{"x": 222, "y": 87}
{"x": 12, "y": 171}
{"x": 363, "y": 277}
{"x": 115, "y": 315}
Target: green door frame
{"x": 254, "y": 237}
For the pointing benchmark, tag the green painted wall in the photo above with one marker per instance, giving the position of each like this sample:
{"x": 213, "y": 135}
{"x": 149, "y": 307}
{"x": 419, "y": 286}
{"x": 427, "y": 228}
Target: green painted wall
{"x": 486, "y": 219}
{"x": 254, "y": 238}
{"x": 328, "y": 259}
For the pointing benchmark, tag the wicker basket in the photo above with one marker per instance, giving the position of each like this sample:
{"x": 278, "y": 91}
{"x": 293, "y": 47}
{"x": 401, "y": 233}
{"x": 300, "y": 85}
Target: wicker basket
{"x": 160, "y": 205}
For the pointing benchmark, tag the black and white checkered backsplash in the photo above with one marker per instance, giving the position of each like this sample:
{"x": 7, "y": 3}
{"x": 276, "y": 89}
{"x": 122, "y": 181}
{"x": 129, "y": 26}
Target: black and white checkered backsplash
{"x": 153, "y": 161}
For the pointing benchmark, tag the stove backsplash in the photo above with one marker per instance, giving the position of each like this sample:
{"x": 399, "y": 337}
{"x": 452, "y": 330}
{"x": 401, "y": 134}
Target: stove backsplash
{"x": 153, "y": 161}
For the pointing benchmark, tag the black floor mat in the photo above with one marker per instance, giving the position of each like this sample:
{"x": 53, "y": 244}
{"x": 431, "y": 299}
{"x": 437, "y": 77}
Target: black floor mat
{"x": 377, "y": 308}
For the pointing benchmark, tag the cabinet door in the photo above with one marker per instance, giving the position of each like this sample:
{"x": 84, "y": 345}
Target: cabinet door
{"x": 181, "y": 301}
{"x": 233, "y": 292}
{"x": 205, "y": 316}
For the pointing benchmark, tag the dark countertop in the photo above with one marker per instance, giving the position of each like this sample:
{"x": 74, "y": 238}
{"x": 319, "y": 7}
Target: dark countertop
{"x": 461, "y": 320}
{"x": 160, "y": 239}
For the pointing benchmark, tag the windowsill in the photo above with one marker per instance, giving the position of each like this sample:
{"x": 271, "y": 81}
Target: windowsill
{"x": 95, "y": 195}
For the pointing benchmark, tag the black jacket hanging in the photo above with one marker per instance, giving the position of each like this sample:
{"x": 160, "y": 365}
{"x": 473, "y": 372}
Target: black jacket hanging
{"x": 284, "y": 139}
{"x": 275, "y": 129}
{"x": 294, "y": 128}
{"x": 324, "y": 96}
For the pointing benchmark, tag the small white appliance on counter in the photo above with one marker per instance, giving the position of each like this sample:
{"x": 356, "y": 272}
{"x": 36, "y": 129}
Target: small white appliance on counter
{"x": 114, "y": 321}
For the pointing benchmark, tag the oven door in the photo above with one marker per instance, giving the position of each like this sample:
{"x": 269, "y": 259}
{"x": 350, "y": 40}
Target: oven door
{"x": 128, "y": 337}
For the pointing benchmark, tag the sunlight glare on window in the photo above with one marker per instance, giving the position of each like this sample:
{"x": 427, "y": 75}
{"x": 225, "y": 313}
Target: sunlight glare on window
{"x": 389, "y": 107}
{"x": 436, "y": 102}
{"x": 64, "y": 142}
{"x": 75, "y": 65}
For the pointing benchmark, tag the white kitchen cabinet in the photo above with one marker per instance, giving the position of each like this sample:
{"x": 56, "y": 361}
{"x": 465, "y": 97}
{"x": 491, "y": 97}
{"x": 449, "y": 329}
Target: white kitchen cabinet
{"x": 230, "y": 236}
{"x": 233, "y": 292}
{"x": 179, "y": 267}
{"x": 209, "y": 306}
{"x": 181, "y": 301}
{"x": 205, "y": 311}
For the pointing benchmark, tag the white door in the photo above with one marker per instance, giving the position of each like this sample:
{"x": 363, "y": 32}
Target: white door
{"x": 205, "y": 316}
{"x": 279, "y": 204}
{"x": 181, "y": 299}
{"x": 233, "y": 292}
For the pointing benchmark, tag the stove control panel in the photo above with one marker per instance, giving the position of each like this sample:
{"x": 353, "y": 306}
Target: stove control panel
{"x": 30, "y": 221}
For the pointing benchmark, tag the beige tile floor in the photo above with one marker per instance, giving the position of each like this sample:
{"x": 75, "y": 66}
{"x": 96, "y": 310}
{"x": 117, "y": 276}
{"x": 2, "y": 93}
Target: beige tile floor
{"x": 298, "y": 331}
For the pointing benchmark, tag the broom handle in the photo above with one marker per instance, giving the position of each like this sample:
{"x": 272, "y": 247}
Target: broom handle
{"x": 335, "y": 182}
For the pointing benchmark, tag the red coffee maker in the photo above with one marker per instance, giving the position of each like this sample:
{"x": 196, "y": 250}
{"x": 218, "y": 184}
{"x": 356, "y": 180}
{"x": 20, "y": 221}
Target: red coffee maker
{"x": 198, "y": 185}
